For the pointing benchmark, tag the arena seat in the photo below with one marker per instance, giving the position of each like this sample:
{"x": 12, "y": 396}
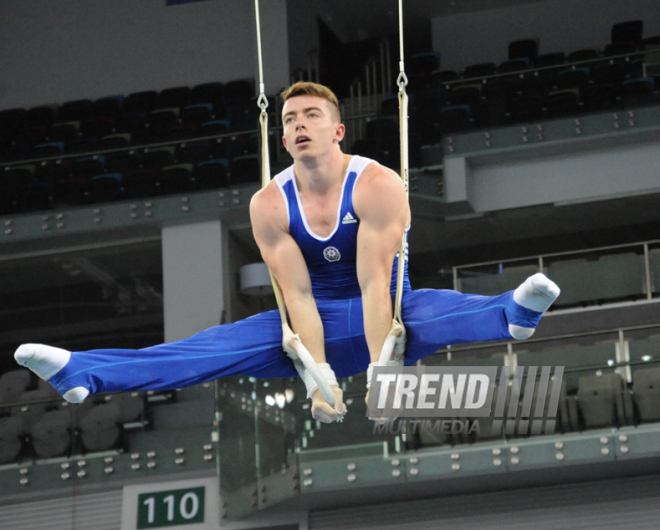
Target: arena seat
{"x": 195, "y": 151}
{"x": 131, "y": 405}
{"x": 177, "y": 97}
{"x": 646, "y": 393}
{"x": 143, "y": 102}
{"x": 51, "y": 435}
{"x": 78, "y": 110}
{"x": 106, "y": 187}
{"x": 115, "y": 141}
{"x": 245, "y": 169}
{"x": 13, "y": 384}
{"x": 158, "y": 157}
{"x": 601, "y": 400}
{"x": 211, "y": 174}
{"x": 479, "y": 70}
{"x": 630, "y": 30}
{"x": 10, "y": 439}
{"x": 41, "y": 115}
{"x": 174, "y": 179}
{"x": 524, "y": 48}
{"x": 197, "y": 114}
{"x": 99, "y": 428}
{"x": 108, "y": 107}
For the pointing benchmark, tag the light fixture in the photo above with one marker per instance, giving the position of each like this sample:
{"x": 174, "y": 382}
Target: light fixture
{"x": 255, "y": 280}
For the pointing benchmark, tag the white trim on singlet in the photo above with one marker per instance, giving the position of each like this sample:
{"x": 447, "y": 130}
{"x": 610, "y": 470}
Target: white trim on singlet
{"x": 356, "y": 164}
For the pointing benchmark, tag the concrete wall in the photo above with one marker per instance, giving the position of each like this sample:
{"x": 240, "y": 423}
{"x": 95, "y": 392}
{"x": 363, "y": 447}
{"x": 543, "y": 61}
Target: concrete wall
{"x": 562, "y": 25}
{"x": 58, "y": 51}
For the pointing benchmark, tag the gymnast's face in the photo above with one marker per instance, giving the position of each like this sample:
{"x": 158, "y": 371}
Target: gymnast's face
{"x": 311, "y": 126}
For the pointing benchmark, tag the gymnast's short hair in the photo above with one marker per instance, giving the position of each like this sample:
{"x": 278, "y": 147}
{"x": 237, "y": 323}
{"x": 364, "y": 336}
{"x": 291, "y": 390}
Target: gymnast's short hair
{"x": 307, "y": 88}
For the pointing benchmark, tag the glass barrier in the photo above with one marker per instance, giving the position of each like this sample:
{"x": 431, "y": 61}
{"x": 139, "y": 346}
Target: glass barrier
{"x": 591, "y": 277}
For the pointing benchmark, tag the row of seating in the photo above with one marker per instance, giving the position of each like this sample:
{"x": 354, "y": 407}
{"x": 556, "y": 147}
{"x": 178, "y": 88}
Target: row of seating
{"x": 424, "y": 70}
{"x": 141, "y": 118}
{"x": 125, "y": 176}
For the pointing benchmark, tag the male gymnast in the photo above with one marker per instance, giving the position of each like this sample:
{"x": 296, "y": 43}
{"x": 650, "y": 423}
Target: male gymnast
{"x": 329, "y": 229}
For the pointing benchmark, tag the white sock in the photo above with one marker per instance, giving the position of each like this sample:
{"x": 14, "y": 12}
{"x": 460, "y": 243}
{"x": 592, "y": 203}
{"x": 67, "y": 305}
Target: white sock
{"x": 537, "y": 293}
{"x": 46, "y": 361}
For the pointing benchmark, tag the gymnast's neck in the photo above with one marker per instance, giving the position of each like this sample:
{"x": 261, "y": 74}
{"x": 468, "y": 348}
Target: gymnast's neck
{"x": 322, "y": 173}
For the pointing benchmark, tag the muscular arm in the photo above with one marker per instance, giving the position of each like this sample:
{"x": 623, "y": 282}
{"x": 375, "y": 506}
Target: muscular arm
{"x": 286, "y": 262}
{"x": 381, "y": 204}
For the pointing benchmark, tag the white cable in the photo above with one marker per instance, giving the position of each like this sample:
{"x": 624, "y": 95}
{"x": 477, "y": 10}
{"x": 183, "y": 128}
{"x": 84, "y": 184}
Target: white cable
{"x": 303, "y": 361}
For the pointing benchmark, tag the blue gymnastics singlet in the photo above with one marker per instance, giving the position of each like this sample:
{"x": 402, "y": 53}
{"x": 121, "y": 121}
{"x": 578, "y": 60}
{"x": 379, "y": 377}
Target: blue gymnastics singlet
{"x": 331, "y": 260}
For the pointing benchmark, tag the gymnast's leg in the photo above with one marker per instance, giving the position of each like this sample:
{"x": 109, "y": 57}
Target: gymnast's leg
{"x": 250, "y": 347}
{"x": 439, "y": 318}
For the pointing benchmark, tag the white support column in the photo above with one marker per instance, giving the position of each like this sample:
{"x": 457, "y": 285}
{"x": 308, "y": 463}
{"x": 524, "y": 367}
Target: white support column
{"x": 193, "y": 285}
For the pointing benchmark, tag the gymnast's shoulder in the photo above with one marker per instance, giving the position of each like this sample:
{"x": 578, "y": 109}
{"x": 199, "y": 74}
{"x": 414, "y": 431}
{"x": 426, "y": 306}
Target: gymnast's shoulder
{"x": 379, "y": 185}
{"x": 267, "y": 205}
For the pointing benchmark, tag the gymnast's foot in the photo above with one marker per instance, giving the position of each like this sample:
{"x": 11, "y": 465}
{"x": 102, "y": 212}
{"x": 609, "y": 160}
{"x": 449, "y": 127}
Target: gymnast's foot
{"x": 46, "y": 361}
{"x": 537, "y": 293}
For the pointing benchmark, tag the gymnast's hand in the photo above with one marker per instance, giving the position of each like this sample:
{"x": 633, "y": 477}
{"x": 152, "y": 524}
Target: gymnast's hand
{"x": 321, "y": 409}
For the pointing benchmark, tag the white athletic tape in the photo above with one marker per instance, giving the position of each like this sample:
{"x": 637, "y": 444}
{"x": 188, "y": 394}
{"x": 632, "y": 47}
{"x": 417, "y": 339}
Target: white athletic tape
{"x": 328, "y": 376}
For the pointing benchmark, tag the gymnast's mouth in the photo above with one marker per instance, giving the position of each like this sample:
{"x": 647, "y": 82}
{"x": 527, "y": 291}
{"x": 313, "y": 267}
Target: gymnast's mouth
{"x": 302, "y": 139}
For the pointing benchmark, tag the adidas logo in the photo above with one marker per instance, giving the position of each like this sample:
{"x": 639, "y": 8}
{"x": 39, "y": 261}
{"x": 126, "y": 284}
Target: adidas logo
{"x": 348, "y": 219}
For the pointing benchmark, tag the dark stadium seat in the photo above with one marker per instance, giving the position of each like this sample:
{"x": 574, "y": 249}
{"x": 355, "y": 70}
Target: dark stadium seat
{"x": 573, "y": 78}
{"x": 140, "y": 183}
{"x": 561, "y": 103}
{"x": 131, "y": 123}
{"x": 195, "y": 151}
{"x": 197, "y": 114}
{"x": 601, "y": 400}
{"x": 480, "y": 70}
{"x": 41, "y": 115}
{"x": 78, "y": 110}
{"x": 97, "y": 127}
{"x": 213, "y": 127}
{"x": 11, "y": 443}
{"x": 108, "y": 107}
{"x": 440, "y": 77}
{"x": 599, "y": 97}
{"x": 173, "y": 97}
{"x": 158, "y": 157}
{"x": 106, "y": 187}
{"x": 584, "y": 54}
{"x": 122, "y": 162}
{"x": 525, "y": 109}
{"x": 13, "y": 384}
{"x": 638, "y": 92}
{"x": 131, "y": 405}
{"x": 12, "y": 119}
{"x": 630, "y": 30}
{"x": 239, "y": 91}
{"x": 64, "y": 131}
{"x": 51, "y": 434}
{"x": 646, "y": 393}
{"x": 524, "y": 48}
{"x": 465, "y": 94}
{"x": 143, "y": 102}
{"x": 115, "y": 141}
{"x": 208, "y": 93}
{"x": 245, "y": 169}
{"x": 162, "y": 119}
{"x": 174, "y": 179}
{"x": 47, "y": 149}
{"x": 211, "y": 174}
{"x": 513, "y": 65}
{"x": 99, "y": 428}
{"x": 455, "y": 119}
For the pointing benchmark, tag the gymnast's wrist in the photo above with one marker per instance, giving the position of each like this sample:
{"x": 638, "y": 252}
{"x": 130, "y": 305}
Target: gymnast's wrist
{"x": 327, "y": 373}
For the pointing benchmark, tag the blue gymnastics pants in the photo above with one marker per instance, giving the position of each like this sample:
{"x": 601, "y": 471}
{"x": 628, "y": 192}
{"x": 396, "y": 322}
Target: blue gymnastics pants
{"x": 253, "y": 347}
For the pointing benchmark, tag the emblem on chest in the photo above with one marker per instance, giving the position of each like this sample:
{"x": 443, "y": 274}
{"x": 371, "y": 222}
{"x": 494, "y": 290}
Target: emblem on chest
{"x": 331, "y": 254}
